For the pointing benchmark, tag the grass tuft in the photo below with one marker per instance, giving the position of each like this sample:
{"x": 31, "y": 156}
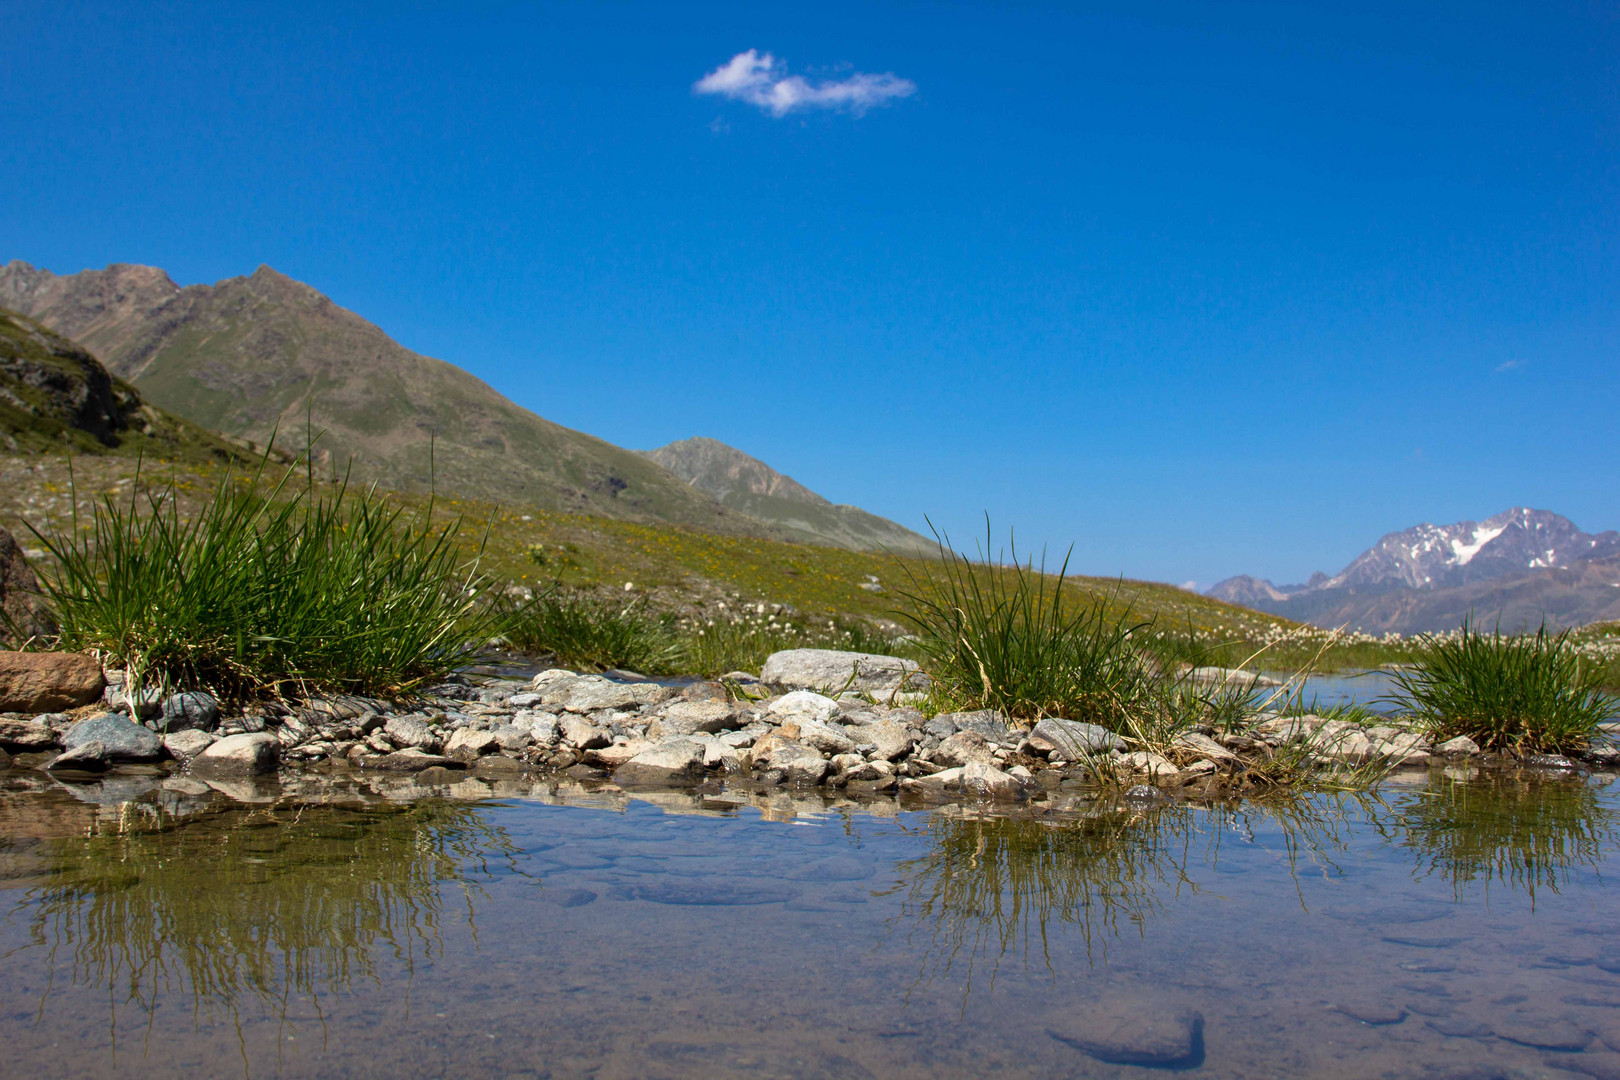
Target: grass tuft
{"x": 269, "y": 588}
{"x": 584, "y": 631}
{"x": 1524, "y": 693}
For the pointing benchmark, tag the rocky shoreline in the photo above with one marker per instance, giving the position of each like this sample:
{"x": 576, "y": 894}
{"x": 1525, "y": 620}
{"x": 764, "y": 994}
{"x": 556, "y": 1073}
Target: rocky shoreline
{"x": 812, "y": 719}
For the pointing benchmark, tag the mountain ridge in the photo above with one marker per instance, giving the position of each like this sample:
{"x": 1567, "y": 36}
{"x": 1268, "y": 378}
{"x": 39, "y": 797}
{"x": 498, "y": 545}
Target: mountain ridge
{"x": 258, "y": 355}
{"x": 1428, "y": 577}
{"x": 748, "y": 485}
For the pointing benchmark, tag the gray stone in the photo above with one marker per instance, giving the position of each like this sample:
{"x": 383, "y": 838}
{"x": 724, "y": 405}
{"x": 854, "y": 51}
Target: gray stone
{"x": 833, "y": 671}
{"x": 187, "y": 744}
{"x": 1127, "y": 1032}
{"x": 1377, "y": 1011}
{"x": 239, "y": 755}
{"x": 124, "y": 739}
{"x": 800, "y": 764}
{"x": 592, "y": 694}
{"x": 511, "y": 737}
{"x": 188, "y": 710}
{"x": 90, "y": 756}
{"x": 890, "y": 740}
{"x": 1542, "y": 1032}
{"x": 414, "y": 759}
{"x": 694, "y": 717}
{"x": 672, "y": 761}
{"x": 1072, "y": 740}
{"x": 469, "y": 743}
{"x": 963, "y": 748}
{"x": 940, "y": 727}
{"x": 824, "y": 737}
{"x": 27, "y": 736}
{"x": 584, "y": 734}
{"x": 803, "y": 705}
{"x": 541, "y": 726}
{"x": 988, "y": 782}
{"x": 407, "y": 732}
{"x": 986, "y": 722}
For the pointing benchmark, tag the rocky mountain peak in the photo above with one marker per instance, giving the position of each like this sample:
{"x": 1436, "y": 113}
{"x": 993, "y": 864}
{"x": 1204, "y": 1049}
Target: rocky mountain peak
{"x": 710, "y": 465}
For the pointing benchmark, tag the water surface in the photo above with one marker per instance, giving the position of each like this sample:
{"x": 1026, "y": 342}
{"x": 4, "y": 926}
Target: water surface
{"x": 1439, "y": 928}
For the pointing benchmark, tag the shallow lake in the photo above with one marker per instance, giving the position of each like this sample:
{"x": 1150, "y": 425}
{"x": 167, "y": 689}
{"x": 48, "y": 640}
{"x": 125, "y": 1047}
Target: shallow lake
{"x": 1445, "y": 926}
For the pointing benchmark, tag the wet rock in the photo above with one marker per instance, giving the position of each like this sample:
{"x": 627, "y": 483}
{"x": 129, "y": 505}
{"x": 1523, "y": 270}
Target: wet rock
{"x": 704, "y": 894}
{"x": 187, "y": 744}
{"x": 407, "y": 732}
{"x": 253, "y": 754}
{"x": 798, "y": 763}
{"x": 1542, "y": 1032}
{"x": 23, "y": 613}
{"x": 1550, "y": 762}
{"x": 24, "y": 736}
{"x": 90, "y": 756}
{"x": 567, "y": 898}
{"x": 124, "y": 739}
{"x": 1457, "y": 747}
{"x": 497, "y": 767}
{"x": 438, "y": 775}
{"x": 988, "y": 782}
{"x": 1460, "y": 1027}
{"x": 1145, "y": 793}
{"x": 694, "y": 717}
{"x": 1376, "y": 1011}
{"x": 410, "y": 759}
{"x": 1126, "y": 1032}
{"x": 41, "y": 682}
{"x": 188, "y": 710}
{"x": 511, "y": 738}
{"x": 673, "y": 761}
{"x": 469, "y": 743}
{"x": 963, "y": 748}
{"x": 802, "y": 706}
{"x": 1072, "y": 740}
{"x": 834, "y": 671}
{"x": 584, "y": 734}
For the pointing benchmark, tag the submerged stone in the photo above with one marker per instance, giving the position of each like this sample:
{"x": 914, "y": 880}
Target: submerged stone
{"x": 1127, "y": 1032}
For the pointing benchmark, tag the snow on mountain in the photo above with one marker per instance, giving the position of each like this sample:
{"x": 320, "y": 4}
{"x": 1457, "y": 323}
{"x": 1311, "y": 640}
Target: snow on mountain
{"x": 1429, "y": 556}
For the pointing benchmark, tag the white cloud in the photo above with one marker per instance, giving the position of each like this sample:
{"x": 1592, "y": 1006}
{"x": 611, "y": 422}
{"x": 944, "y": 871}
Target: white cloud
{"x": 1508, "y": 365}
{"x": 762, "y": 80}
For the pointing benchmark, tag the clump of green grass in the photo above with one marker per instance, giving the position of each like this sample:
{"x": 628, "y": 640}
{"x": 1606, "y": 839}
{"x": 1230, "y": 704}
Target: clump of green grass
{"x": 269, "y": 588}
{"x": 1008, "y": 638}
{"x": 585, "y": 631}
{"x": 1524, "y": 693}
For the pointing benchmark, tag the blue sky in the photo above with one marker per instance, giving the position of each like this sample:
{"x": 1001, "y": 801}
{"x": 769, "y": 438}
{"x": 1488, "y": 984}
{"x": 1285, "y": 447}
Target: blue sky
{"x": 1202, "y": 289}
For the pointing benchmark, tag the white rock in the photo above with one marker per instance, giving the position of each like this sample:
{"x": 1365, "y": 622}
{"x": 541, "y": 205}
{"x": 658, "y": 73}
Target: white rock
{"x": 803, "y": 705}
{"x": 239, "y": 755}
{"x": 665, "y": 762}
{"x": 187, "y": 744}
{"x": 834, "y": 671}
{"x": 1462, "y": 744}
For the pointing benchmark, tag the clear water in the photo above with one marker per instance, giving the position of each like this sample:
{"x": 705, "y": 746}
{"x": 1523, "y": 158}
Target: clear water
{"x": 1365, "y": 688}
{"x": 155, "y": 926}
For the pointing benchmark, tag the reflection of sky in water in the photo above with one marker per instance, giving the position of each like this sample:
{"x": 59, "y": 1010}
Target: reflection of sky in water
{"x": 1365, "y": 688}
{"x": 622, "y": 938}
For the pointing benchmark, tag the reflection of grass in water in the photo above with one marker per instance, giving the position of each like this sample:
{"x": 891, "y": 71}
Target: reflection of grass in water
{"x": 1529, "y": 834}
{"x": 263, "y": 904}
{"x": 988, "y": 887}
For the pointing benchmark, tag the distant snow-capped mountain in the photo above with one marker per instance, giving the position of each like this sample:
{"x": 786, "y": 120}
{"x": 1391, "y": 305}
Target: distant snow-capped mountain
{"x": 1428, "y": 557}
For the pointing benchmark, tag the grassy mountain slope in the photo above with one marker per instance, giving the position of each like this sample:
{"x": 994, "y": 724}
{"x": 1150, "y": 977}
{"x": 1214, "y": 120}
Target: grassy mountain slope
{"x": 254, "y": 355}
{"x": 55, "y": 396}
{"x": 752, "y": 487}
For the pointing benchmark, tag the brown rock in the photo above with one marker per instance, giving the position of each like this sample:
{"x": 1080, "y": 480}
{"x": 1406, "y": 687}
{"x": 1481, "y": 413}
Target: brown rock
{"x": 48, "y": 681}
{"x": 23, "y": 613}
{"x": 25, "y": 735}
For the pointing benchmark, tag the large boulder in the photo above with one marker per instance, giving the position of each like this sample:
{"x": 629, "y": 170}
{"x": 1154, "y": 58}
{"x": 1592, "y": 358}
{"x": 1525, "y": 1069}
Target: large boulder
{"x": 832, "y": 671}
{"x": 252, "y": 754}
{"x": 41, "y": 682}
{"x": 23, "y": 614}
{"x": 122, "y": 739}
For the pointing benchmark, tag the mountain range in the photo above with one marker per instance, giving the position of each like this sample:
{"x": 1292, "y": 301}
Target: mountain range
{"x": 750, "y": 486}
{"x": 1516, "y": 567}
{"x": 265, "y": 357}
